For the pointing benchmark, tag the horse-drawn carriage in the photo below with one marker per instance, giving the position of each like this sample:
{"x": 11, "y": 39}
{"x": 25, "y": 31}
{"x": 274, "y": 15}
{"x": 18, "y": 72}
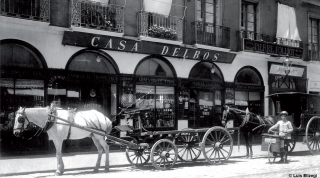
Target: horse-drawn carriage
{"x": 304, "y": 114}
{"x": 215, "y": 143}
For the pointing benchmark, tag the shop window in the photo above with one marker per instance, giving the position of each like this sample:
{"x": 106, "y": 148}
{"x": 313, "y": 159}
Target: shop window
{"x": 250, "y": 100}
{"x": 158, "y": 105}
{"x": 21, "y": 85}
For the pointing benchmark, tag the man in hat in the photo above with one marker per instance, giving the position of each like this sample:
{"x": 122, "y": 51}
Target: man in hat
{"x": 285, "y": 128}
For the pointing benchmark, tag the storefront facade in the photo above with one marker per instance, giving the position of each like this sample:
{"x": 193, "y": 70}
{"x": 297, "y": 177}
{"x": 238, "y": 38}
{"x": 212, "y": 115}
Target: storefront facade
{"x": 178, "y": 71}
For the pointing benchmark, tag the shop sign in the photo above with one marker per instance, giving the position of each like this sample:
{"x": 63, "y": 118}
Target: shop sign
{"x": 92, "y": 77}
{"x": 271, "y": 48}
{"x": 204, "y": 84}
{"x": 155, "y": 80}
{"x": 280, "y": 70}
{"x": 144, "y": 47}
{"x": 249, "y": 87}
{"x": 314, "y": 86}
{"x": 26, "y": 73}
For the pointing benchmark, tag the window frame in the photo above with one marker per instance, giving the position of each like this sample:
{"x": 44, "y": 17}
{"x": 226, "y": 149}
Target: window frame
{"x": 315, "y": 17}
{"x": 255, "y": 13}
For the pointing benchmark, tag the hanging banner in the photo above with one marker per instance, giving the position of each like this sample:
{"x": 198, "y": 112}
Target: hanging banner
{"x": 162, "y": 7}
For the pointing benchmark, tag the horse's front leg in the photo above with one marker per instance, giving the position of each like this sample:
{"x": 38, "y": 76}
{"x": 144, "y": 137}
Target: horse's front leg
{"x": 250, "y": 135}
{"x": 251, "y": 153}
{"x": 60, "y": 165}
{"x": 100, "y": 151}
{"x": 247, "y": 145}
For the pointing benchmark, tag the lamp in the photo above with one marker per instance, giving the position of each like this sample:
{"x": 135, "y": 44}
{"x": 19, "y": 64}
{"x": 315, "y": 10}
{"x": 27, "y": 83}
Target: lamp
{"x": 98, "y": 58}
{"x": 287, "y": 64}
{"x": 212, "y": 69}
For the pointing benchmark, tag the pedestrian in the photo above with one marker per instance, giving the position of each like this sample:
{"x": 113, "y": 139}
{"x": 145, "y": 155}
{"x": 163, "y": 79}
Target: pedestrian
{"x": 285, "y": 128}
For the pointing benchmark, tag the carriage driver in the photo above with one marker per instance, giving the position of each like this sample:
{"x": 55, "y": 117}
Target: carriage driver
{"x": 285, "y": 128}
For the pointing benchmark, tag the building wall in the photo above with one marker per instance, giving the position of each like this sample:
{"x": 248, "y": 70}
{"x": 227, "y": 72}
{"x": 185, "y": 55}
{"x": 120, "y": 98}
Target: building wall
{"x": 48, "y": 37}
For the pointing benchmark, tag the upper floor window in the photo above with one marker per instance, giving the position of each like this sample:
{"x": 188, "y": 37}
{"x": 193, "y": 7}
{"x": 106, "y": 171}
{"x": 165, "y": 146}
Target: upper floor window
{"x": 250, "y": 22}
{"x": 314, "y": 39}
{"x": 248, "y": 16}
{"x": 205, "y": 11}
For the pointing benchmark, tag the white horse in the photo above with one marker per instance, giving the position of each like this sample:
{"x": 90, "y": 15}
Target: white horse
{"x": 60, "y": 130}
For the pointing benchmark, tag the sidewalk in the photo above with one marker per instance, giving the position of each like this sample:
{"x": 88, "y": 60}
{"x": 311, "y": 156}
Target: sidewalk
{"x": 23, "y": 165}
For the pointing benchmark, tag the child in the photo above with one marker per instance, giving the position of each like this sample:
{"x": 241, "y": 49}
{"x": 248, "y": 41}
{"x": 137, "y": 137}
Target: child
{"x": 285, "y": 128}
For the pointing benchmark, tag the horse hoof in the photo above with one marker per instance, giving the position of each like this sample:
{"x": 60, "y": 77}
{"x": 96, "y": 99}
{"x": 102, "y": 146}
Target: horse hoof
{"x": 57, "y": 173}
{"x": 95, "y": 170}
{"x": 106, "y": 170}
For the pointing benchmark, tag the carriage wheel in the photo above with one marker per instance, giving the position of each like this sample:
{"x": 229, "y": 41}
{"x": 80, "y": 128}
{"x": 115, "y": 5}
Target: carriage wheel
{"x": 313, "y": 135}
{"x": 271, "y": 155}
{"x": 188, "y": 146}
{"x": 137, "y": 157}
{"x": 163, "y": 154}
{"x": 292, "y": 144}
{"x": 217, "y": 145}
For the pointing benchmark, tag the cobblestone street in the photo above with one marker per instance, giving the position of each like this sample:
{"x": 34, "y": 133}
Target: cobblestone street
{"x": 301, "y": 164}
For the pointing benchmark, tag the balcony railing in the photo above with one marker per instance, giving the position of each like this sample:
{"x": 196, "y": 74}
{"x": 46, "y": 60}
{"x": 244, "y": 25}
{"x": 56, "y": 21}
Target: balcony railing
{"x": 210, "y": 34}
{"x": 159, "y": 26}
{"x": 94, "y": 15}
{"x": 313, "y": 52}
{"x": 26, "y": 9}
{"x": 253, "y": 36}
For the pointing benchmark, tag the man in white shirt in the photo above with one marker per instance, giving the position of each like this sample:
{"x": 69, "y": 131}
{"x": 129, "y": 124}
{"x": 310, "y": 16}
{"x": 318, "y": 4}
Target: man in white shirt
{"x": 285, "y": 128}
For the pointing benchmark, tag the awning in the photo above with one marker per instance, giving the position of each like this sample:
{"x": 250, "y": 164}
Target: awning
{"x": 287, "y": 25}
{"x": 289, "y": 93}
{"x": 164, "y": 7}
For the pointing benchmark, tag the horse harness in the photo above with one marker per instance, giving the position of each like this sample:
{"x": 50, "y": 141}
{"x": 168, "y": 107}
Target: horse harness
{"x": 49, "y": 123}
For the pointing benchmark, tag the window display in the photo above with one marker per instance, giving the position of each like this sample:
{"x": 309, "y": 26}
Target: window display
{"x": 156, "y": 104}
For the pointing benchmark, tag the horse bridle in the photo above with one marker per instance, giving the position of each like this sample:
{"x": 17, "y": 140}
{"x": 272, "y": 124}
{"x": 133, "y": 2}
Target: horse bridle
{"x": 21, "y": 120}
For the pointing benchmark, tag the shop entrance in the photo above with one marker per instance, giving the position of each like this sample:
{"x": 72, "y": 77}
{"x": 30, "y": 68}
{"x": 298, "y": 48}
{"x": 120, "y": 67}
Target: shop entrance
{"x": 204, "y": 104}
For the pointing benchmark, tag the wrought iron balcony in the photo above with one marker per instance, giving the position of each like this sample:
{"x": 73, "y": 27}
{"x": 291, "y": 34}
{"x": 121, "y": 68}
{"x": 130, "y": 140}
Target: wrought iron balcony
{"x": 210, "y": 34}
{"x": 313, "y": 52}
{"x": 159, "y": 26}
{"x": 253, "y": 36}
{"x": 26, "y": 9}
{"x": 94, "y": 15}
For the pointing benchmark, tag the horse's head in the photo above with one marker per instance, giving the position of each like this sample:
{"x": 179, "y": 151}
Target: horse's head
{"x": 19, "y": 123}
{"x": 230, "y": 113}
